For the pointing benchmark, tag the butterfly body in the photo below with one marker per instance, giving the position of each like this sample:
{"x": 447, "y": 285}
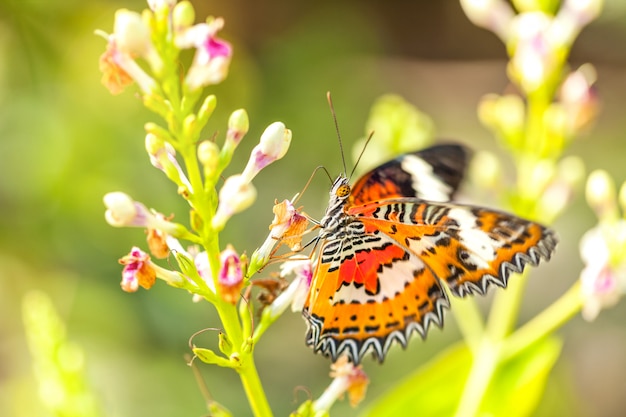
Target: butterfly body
{"x": 389, "y": 244}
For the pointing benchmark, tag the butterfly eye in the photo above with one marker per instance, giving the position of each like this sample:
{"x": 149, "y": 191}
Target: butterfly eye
{"x": 343, "y": 191}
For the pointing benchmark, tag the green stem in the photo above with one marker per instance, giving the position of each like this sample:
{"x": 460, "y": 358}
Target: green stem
{"x": 505, "y": 307}
{"x": 544, "y": 323}
{"x": 470, "y": 321}
{"x": 483, "y": 367}
{"x": 253, "y": 388}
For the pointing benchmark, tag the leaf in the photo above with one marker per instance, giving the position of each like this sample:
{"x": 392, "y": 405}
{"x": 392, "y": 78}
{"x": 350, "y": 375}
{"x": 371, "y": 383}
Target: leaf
{"x": 518, "y": 384}
{"x": 435, "y": 389}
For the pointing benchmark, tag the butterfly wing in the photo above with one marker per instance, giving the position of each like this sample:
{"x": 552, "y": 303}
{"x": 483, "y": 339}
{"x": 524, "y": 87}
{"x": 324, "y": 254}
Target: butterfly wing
{"x": 377, "y": 286}
{"x": 467, "y": 247}
{"x": 368, "y": 292}
{"x": 432, "y": 174}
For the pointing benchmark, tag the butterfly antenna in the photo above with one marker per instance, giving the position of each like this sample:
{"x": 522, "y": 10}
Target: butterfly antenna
{"x": 332, "y": 111}
{"x": 321, "y": 167}
{"x": 361, "y": 154}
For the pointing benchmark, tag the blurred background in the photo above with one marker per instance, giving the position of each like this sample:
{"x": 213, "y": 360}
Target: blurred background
{"x": 65, "y": 142}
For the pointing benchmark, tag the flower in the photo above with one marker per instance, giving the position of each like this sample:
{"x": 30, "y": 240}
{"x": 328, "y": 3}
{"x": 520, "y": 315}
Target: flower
{"x": 138, "y": 271}
{"x": 601, "y": 195}
{"x": 238, "y": 125}
{"x": 534, "y": 57}
{"x": 157, "y": 4}
{"x": 201, "y": 261}
{"x": 295, "y": 294}
{"x": 158, "y": 242}
{"x": 230, "y": 276}
{"x": 303, "y": 269}
{"x": 130, "y": 39}
{"x": 273, "y": 145}
{"x": 603, "y": 279}
{"x": 579, "y": 98}
{"x": 163, "y": 157}
{"x": 288, "y": 227}
{"x": 347, "y": 378}
{"x": 212, "y": 59}
{"x": 571, "y": 18}
{"x": 494, "y": 15}
{"x": 114, "y": 77}
{"x": 123, "y": 211}
{"x": 235, "y": 196}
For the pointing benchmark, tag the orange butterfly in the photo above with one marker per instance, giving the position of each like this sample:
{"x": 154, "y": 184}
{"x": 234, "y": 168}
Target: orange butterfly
{"x": 388, "y": 244}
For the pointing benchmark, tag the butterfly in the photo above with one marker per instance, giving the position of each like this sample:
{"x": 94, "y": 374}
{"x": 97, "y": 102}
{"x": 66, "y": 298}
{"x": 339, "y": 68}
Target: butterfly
{"x": 390, "y": 242}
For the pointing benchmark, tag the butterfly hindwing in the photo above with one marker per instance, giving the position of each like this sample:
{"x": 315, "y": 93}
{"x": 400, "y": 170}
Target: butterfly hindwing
{"x": 432, "y": 174}
{"x": 367, "y": 293}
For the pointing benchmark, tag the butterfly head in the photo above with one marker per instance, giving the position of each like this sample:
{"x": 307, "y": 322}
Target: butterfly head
{"x": 340, "y": 189}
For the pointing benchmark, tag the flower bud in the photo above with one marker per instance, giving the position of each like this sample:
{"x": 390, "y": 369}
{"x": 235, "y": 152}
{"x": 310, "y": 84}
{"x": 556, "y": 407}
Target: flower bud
{"x": 183, "y": 15}
{"x": 275, "y": 140}
{"x": 601, "y": 194}
{"x": 208, "y": 155}
{"x": 131, "y": 33}
{"x": 206, "y": 109}
{"x": 273, "y": 145}
{"x": 238, "y": 126}
{"x": 494, "y": 15}
{"x": 235, "y": 196}
{"x": 122, "y": 210}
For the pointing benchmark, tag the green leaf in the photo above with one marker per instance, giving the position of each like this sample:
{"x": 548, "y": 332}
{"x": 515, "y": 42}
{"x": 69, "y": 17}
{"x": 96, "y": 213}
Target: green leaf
{"x": 518, "y": 384}
{"x": 433, "y": 390}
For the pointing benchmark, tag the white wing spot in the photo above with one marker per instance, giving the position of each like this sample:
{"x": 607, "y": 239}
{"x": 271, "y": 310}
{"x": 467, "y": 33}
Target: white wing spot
{"x": 425, "y": 182}
{"x": 482, "y": 248}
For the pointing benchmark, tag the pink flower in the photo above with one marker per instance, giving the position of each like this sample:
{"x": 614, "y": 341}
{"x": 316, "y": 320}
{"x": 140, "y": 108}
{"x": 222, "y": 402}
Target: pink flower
{"x": 230, "y": 276}
{"x": 603, "y": 279}
{"x": 138, "y": 271}
{"x": 212, "y": 59}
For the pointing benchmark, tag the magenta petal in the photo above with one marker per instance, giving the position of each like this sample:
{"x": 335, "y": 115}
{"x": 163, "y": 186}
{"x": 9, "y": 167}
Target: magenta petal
{"x": 217, "y": 47}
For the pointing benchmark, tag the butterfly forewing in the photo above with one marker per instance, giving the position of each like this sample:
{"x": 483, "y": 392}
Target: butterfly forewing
{"x": 469, "y": 248}
{"x": 389, "y": 246}
{"x": 432, "y": 174}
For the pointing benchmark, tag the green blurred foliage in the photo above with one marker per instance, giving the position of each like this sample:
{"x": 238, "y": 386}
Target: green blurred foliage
{"x": 65, "y": 142}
